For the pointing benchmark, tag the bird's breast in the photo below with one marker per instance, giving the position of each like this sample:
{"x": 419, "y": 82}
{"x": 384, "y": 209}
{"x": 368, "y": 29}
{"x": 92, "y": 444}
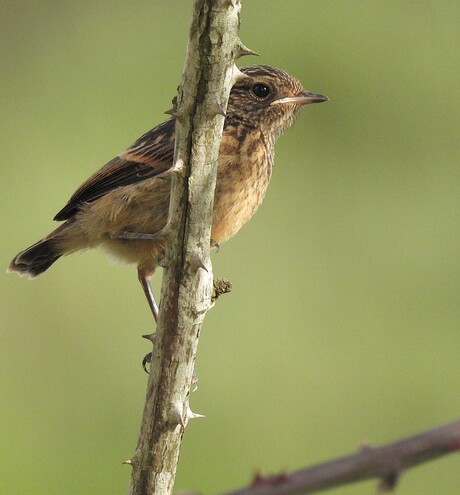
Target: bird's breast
{"x": 245, "y": 166}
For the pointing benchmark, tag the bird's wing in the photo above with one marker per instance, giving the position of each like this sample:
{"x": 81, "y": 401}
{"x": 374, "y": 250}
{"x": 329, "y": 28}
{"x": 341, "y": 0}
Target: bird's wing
{"x": 151, "y": 155}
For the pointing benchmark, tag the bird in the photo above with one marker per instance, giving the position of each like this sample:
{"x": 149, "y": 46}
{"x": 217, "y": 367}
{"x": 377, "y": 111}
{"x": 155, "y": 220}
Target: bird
{"x": 122, "y": 206}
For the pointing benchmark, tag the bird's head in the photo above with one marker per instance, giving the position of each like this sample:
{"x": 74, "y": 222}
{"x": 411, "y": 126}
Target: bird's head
{"x": 268, "y": 98}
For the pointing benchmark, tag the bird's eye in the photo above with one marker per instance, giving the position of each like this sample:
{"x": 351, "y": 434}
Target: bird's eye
{"x": 261, "y": 90}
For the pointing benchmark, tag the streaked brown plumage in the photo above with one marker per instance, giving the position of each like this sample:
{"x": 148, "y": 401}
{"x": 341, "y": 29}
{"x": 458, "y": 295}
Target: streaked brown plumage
{"x": 130, "y": 194}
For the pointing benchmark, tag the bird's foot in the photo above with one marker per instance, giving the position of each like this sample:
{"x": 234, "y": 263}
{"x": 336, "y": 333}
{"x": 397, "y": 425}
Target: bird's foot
{"x": 215, "y": 244}
{"x": 194, "y": 382}
{"x": 148, "y": 357}
{"x": 161, "y": 259}
{"x": 147, "y": 360}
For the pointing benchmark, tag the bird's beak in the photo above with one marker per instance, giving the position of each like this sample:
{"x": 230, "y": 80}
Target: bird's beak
{"x": 305, "y": 98}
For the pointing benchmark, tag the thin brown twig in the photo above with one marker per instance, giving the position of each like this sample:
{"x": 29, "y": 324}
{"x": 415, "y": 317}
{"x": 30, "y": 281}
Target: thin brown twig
{"x": 386, "y": 462}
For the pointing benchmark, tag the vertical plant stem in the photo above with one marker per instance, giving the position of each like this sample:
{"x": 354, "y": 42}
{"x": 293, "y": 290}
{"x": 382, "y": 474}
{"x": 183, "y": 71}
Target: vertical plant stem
{"x": 187, "y": 281}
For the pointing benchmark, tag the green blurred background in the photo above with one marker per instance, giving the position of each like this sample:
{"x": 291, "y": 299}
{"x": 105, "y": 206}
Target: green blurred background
{"x": 343, "y": 325}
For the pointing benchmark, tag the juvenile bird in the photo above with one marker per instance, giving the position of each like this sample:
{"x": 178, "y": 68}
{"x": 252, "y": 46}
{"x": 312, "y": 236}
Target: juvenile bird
{"x": 129, "y": 196}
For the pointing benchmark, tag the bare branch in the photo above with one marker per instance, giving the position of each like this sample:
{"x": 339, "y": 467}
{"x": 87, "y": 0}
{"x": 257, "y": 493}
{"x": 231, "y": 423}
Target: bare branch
{"x": 187, "y": 282}
{"x": 386, "y": 462}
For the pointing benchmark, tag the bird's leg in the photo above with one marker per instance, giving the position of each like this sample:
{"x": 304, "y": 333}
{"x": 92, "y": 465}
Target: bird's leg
{"x": 144, "y": 275}
{"x": 143, "y": 236}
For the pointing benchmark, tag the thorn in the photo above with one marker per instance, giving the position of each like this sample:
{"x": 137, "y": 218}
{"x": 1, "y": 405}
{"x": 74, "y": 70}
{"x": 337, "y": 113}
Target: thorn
{"x": 181, "y": 414}
{"x": 388, "y": 483}
{"x": 128, "y": 461}
{"x": 365, "y": 446}
{"x": 256, "y": 479}
{"x": 174, "y": 112}
{"x": 269, "y": 480}
{"x": 150, "y": 336}
{"x": 195, "y": 262}
{"x": 201, "y": 265}
{"x": 238, "y": 75}
{"x": 241, "y": 50}
{"x": 215, "y": 108}
{"x": 191, "y": 415}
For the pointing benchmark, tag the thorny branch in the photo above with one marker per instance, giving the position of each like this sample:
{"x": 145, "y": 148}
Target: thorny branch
{"x": 186, "y": 294}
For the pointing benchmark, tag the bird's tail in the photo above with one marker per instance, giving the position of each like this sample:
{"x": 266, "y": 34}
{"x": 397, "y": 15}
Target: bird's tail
{"x": 35, "y": 259}
{"x": 40, "y": 256}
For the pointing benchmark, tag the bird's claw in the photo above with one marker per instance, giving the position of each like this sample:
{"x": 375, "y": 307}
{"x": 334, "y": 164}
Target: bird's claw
{"x": 161, "y": 259}
{"x": 194, "y": 381}
{"x": 147, "y": 360}
{"x": 215, "y": 244}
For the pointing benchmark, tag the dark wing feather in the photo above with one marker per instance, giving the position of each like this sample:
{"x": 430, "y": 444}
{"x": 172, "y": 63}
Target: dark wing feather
{"x": 150, "y": 156}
